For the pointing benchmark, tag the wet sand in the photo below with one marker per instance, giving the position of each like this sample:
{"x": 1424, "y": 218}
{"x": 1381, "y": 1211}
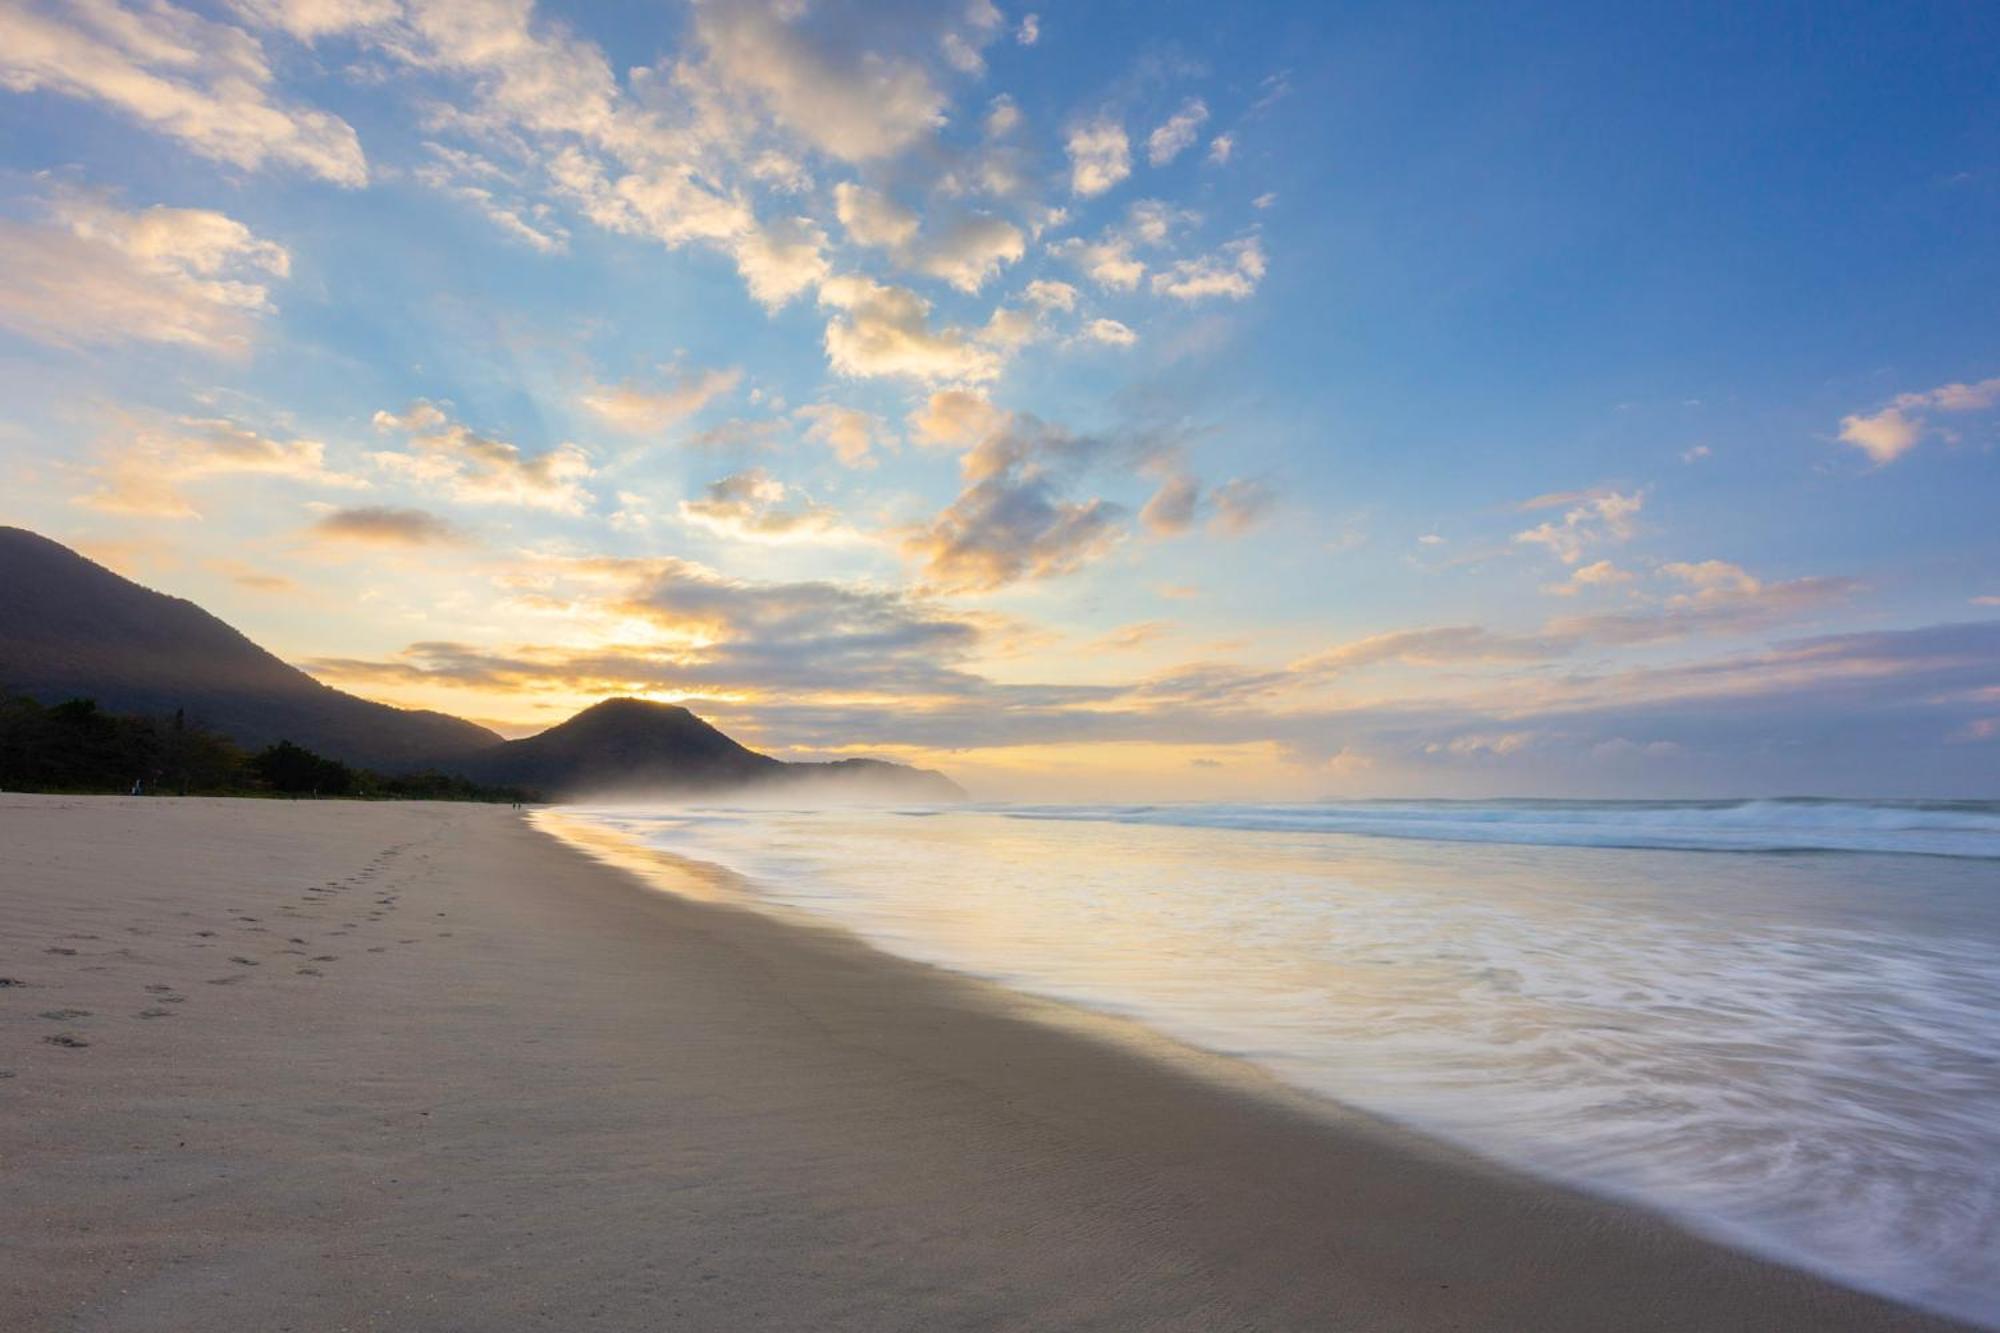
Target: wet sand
{"x": 273, "y": 1065}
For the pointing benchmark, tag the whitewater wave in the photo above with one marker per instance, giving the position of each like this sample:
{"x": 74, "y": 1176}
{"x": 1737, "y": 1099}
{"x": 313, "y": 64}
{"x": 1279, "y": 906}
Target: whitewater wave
{"x": 1915, "y": 828}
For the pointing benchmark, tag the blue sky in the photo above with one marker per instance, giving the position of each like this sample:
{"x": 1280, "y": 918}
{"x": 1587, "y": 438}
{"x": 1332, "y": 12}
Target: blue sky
{"x": 1150, "y": 400}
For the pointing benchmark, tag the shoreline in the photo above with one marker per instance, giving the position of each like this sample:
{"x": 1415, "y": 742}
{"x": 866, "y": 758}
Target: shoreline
{"x": 522, "y": 1092}
{"x": 665, "y": 871}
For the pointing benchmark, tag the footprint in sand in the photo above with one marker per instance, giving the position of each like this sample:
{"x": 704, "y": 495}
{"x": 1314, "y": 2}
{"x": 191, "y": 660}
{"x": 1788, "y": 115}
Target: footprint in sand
{"x": 225, "y": 981}
{"x": 206, "y": 934}
{"x": 64, "y": 1015}
{"x": 156, "y": 1013}
{"x": 244, "y": 962}
{"x": 58, "y": 949}
{"x": 9, "y": 983}
{"x": 311, "y": 972}
{"x": 67, "y": 1040}
{"x": 326, "y": 958}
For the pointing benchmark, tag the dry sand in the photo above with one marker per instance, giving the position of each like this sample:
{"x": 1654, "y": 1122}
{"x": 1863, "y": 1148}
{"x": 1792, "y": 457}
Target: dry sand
{"x": 340, "y": 1066}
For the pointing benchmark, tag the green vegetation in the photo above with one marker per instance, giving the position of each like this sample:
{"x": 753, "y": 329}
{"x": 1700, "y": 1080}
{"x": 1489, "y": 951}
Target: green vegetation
{"x": 78, "y": 747}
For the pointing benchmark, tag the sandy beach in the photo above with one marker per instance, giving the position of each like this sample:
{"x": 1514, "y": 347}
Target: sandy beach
{"x": 331, "y": 1065}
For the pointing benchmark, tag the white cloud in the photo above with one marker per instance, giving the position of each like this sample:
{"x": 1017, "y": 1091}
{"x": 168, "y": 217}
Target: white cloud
{"x": 310, "y": 20}
{"x": 1221, "y": 148}
{"x": 1003, "y": 117}
{"x": 1100, "y": 156}
{"x": 473, "y": 180}
{"x": 1593, "y": 518}
{"x": 781, "y": 259}
{"x": 1046, "y": 294}
{"x": 1888, "y": 434}
{"x": 646, "y": 410}
{"x": 1153, "y": 221}
{"x": 1110, "y": 331}
{"x": 99, "y": 274}
{"x": 1108, "y": 262}
{"x": 1884, "y": 436}
{"x": 1177, "y": 133}
{"x": 479, "y": 469}
{"x": 1234, "y": 272}
{"x": 202, "y": 83}
{"x": 872, "y": 218}
{"x": 1030, "y": 30}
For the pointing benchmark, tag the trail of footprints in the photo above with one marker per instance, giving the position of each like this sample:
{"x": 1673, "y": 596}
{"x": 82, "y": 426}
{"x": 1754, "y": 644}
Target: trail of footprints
{"x": 280, "y": 945}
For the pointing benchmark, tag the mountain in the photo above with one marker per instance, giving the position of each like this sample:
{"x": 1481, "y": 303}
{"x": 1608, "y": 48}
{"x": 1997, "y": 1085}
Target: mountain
{"x": 70, "y": 628}
{"x": 636, "y": 745}
{"x": 621, "y": 743}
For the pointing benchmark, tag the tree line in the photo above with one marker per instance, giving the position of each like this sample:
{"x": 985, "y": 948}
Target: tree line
{"x": 78, "y": 747}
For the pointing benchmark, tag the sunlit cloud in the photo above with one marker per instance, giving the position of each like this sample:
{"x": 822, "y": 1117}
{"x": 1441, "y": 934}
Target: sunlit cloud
{"x": 1599, "y": 574}
{"x": 644, "y": 410}
{"x": 849, "y": 432}
{"x": 149, "y": 467}
{"x": 755, "y": 506}
{"x": 1012, "y": 521}
{"x": 450, "y": 457}
{"x": 1100, "y": 156}
{"x": 1887, "y": 434}
{"x": 1591, "y": 519}
{"x": 1232, "y": 272}
{"x": 1110, "y": 331}
{"x": 1177, "y": 133}
{"x": 885, "y": 330}
{"x": 384, "y": 525}
{"x": 205, "y": 84}
{"x": 96, "y": 273}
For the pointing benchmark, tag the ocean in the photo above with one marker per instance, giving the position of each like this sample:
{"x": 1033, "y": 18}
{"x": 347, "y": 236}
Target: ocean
{"x": 1776, "y": 1021}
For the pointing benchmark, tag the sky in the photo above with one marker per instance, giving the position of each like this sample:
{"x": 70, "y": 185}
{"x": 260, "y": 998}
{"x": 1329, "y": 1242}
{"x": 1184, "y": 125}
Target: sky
{"x": 1094, "y": 401}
